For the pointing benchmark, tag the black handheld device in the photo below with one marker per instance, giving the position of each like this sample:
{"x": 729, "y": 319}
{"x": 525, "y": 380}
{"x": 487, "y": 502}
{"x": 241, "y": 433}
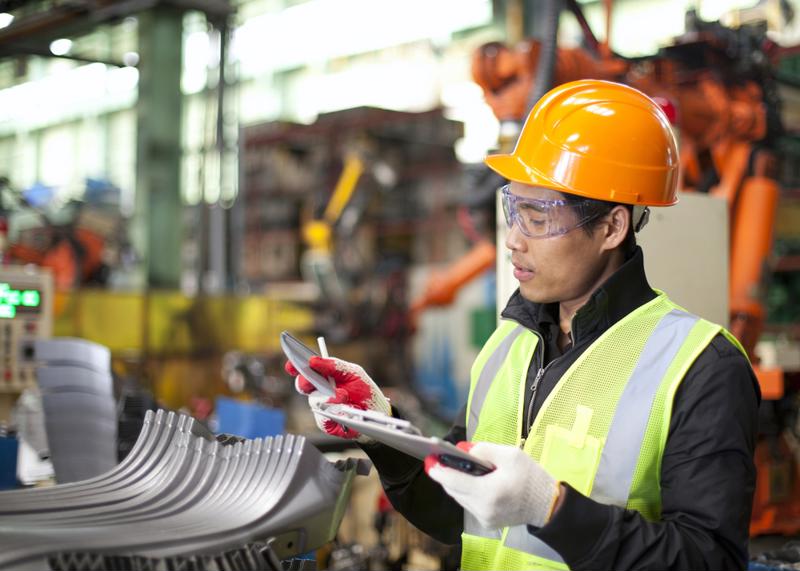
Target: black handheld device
{"x": 463, "y": 465}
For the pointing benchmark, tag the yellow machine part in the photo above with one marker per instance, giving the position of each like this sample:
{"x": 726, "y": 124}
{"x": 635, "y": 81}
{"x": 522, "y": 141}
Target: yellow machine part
{"x": 174, "y": 341}
{"x": 318, "y": 233}
{"x": 345, "y": 186}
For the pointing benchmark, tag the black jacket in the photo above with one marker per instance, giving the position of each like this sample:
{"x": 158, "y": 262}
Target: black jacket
{"x": 707, "y": 472}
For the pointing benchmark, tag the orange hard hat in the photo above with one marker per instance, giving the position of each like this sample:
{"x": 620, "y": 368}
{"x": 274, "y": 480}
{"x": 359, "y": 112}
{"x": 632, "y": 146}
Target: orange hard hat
{"x": 596, "y": 139}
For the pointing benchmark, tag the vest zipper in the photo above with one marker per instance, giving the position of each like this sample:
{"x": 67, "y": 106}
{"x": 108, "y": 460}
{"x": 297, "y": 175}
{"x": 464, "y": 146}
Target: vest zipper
{"x": 535, "y": 386}
{"x": 534, "y": 389}
{"x": 539, "y": 374}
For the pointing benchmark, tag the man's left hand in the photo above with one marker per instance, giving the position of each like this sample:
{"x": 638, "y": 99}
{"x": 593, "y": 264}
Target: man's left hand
{"x": 518, "y": 491}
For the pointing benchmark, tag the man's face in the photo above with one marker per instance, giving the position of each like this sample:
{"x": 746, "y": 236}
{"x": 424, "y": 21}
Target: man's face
{"x": 558, "y": 268}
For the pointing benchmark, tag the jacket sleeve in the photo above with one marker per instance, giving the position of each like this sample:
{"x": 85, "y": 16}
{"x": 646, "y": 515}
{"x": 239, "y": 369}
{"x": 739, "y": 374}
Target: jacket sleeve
{"x": 707, "y": 483}
{"x": 422, "y": 501}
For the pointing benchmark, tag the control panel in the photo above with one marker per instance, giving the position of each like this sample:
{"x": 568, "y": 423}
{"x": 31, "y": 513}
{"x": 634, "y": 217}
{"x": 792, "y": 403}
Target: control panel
{"x": 26, "y": 314}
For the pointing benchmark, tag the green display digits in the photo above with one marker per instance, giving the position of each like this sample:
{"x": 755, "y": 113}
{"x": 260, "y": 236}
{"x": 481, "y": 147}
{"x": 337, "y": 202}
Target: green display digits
{"x": 13, "y": 299}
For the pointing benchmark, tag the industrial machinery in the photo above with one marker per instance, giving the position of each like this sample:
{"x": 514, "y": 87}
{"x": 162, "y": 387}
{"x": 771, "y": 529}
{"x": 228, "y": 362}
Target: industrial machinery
{"x": 375, "y": 172}
{"x": 26, "y": 314}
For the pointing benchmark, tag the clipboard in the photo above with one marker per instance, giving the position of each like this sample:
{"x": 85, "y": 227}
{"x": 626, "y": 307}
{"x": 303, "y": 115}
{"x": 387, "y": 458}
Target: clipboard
{"x": 403, "y": 436}
{"x": 298, "y": 354}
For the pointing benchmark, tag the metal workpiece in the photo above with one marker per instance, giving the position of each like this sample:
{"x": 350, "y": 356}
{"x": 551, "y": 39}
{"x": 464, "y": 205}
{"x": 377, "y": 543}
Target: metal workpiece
{"x": 81, "y": 432}
{"x": 156, "y": 428}
{"x": 80, "y": 416}
{"x": 181, "y": 468}
{"x": 69, "y": 352}
{"x": 182, "y": 494}
{"x": 143, "y": 461}
{"x": 72, "y": 378}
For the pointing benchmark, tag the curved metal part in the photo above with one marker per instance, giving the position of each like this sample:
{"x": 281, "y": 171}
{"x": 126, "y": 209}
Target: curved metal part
{"x": 278, "y": 493}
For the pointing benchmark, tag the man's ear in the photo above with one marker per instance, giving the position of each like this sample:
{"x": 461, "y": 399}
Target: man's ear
{"x": 618, "y": 221}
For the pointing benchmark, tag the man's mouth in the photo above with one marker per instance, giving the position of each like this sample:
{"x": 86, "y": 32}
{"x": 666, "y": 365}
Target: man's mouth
{"x": 522, "y": 273}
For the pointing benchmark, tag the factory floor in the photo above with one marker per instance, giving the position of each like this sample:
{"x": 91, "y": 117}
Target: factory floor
{"x": 772, "y": 544}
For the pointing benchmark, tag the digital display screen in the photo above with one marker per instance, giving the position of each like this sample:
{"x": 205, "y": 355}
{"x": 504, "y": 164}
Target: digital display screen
{"x": 14, "y": 300}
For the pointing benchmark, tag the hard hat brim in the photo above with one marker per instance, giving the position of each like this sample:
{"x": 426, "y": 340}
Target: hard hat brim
{"x": 513, "y": 169}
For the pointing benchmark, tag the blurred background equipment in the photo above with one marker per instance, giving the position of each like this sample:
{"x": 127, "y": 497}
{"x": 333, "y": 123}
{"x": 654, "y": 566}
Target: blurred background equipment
{"x": 26, "y": 305}
{"x": 133, "y": 403}
{"x": 377, "y": 179}
{"x": 78, "y": 241}
{"x": 80, "y": 416}
{"x": 31, "y": 465}
{"x": 249, "y": 420}
{"x": 9, "y": 451}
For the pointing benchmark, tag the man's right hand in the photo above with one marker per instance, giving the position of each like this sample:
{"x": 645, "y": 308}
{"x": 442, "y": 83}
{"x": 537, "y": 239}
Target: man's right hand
{"x": 353, "y": 387}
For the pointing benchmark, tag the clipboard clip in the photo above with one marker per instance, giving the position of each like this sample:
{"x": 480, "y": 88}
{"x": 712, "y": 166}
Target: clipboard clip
{"x": 370, "y": 416}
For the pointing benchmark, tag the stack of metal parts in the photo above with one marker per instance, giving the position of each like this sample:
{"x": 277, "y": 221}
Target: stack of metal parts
{"x": 74, "y": 377}
{"x": 182, "y": 499}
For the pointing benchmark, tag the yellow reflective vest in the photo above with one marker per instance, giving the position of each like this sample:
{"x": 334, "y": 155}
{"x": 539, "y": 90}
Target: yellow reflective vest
{"x": 603, "y": 427}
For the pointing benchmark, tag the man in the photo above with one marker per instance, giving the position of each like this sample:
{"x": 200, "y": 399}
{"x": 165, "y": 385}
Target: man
{"x": 621, "y": 427}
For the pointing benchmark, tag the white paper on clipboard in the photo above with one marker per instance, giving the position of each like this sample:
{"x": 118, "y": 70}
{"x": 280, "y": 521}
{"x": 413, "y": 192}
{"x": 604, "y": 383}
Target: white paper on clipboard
{"x": 401, "y": 435}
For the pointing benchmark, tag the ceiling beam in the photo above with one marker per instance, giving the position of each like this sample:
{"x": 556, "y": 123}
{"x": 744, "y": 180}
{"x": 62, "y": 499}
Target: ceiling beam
{"x": 78, "y": 17}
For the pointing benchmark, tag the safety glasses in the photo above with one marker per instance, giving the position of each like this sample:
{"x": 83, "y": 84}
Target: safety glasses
{"x": 539, "y": 218}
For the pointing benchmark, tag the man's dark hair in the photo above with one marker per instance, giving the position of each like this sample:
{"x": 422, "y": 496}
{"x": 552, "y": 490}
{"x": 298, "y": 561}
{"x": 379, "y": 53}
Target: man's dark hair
{"x": 597, "y": 209}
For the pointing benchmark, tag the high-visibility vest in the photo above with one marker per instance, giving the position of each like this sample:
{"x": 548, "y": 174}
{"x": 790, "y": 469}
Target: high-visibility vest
{"x": 603, "y": 427}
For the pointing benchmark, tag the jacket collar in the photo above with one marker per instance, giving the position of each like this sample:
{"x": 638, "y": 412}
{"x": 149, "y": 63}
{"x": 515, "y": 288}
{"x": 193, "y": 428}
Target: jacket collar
{"x": 620, "y": 294}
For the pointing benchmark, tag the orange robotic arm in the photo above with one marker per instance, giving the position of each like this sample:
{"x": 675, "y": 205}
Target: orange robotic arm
{"x": 442, "y": 286}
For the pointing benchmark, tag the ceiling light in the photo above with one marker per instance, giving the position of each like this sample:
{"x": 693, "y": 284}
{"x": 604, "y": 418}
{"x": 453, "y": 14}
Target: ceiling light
{"x": 6, "y": 19}
{"x": 130, "y": 59}
{"x": 60, "y": 47}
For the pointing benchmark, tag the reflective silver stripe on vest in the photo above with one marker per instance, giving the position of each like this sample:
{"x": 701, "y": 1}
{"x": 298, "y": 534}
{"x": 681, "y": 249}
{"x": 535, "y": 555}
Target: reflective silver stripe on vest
{"x": 612, "y": 483}
{"x": 487, "y": 375}
{"x": 472, "y": 527}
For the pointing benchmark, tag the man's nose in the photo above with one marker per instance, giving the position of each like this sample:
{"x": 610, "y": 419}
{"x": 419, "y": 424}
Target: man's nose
{"x": 515, "y": 240}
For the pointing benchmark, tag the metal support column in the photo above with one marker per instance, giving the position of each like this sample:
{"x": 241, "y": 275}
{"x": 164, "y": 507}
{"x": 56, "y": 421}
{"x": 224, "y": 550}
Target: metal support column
{"x": 216, "y": 278}
{"x": 158, "y": 225}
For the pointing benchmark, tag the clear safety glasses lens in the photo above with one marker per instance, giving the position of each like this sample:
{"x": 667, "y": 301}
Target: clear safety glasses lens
{"x": 538, "y": 218}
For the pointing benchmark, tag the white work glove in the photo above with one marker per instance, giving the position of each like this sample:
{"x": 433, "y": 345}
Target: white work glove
{"x": 518, "y": 491}
{"x": 353, "y": 387}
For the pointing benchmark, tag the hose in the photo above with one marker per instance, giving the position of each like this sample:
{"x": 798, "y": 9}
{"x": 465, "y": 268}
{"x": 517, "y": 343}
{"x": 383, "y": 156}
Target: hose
{"x": 545, "y": 70}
